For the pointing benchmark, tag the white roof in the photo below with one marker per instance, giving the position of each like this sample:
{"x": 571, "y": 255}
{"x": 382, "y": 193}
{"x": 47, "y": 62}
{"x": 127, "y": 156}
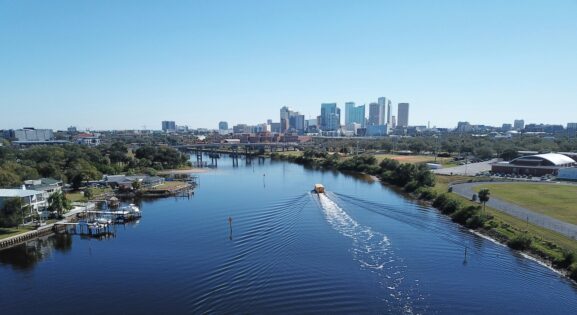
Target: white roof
{"x": 556, "y": 158}
{"x": 11, "y": 193}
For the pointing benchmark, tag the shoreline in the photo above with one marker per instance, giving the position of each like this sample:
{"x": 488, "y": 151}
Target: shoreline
{"x": 481, "y": 232}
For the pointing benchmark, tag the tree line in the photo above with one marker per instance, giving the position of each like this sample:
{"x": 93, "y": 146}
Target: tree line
{"x": 454, "y": 144}
{"x": 410, "y": 177}
{"x": 75, "y": 164}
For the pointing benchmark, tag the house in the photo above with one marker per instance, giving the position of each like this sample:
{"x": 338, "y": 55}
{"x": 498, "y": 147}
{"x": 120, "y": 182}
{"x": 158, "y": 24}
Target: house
{"x": 124, "y": 182}
{"x": 33, "y": 201}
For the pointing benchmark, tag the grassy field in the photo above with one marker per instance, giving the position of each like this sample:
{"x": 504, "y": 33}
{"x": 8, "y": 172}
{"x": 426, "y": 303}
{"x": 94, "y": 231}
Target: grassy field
{"x": 415, "y": 159}
{"x": 78, "y": 196}
{"x": 557, "y": 201}
{"x": 169, "y": 185}
{"x": 546, "y": 240}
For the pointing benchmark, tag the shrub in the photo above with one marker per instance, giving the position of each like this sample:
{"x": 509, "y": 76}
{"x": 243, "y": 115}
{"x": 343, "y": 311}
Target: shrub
{"x": 573, "y": 274}
{"x": 464, "y": 214}
{"x": 520, "y": 242}
{"x": 565, "y": 261}
{"x": 426, "y": 194}
{"x": 450, "y": 189}
{"x": 474, "y": 198}
{"x": 411, "y": 186}
{"x": 475, "y": 222}
{"x": 451, "y": 206}
{"x": 440, "y": 201}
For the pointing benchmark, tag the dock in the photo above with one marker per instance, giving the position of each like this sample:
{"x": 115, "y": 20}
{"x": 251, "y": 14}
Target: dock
{"x": 94, "y": 224}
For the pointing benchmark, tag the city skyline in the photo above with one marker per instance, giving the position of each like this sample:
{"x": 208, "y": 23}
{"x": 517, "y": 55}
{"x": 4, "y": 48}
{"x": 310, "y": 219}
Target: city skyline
{"x": 202, "y": 62}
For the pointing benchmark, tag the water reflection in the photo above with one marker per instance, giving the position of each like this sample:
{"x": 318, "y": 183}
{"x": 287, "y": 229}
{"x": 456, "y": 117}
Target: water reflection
{"x": 24, "y": 257}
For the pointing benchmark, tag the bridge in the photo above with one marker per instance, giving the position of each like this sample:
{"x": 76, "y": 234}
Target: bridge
{"x": 235, "y": 150}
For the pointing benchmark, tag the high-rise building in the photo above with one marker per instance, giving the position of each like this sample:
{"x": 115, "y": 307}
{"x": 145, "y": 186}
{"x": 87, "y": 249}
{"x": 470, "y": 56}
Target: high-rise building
{"x": 284, "y": 118}
{"x": 223, "y": 125}
{"x": 377, "y": 113}
{"x": 299, "y": 123}
{"x": 403, "y": 115}
{"x": 349, "y": 107}
{"x": 394, "y": 122}
{"x": 168, "y": 126}
{"x": 330, "y": 117}
{"x": 519, "y": 124}
{"x": 572, "y": 129}
{"x": 389, "y": 112}
{"x": 354, "y": 114}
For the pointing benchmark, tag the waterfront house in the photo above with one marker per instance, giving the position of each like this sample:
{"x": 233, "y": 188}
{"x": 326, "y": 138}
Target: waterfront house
{"x": 124, "y": 182}
{"x": 33, "y": 201}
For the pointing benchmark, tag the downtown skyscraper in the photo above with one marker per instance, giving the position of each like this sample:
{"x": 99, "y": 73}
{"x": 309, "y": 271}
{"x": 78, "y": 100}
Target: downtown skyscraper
{"x": 377, "y": 112}
{"x": 354, "y": 114}
{"x": 330, "y": 119}
{"x": 403, "y": 115}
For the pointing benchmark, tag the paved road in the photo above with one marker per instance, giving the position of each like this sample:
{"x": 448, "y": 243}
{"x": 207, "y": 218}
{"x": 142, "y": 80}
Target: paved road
{"x": 467, "y": 169}
{"x": 467, "y": 190}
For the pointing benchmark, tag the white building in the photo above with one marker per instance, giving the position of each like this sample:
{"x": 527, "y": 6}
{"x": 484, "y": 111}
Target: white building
{"x": 31, "y": 134}
{"x": 33, "y": 201}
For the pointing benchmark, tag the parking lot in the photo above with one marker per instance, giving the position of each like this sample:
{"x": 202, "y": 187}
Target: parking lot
{"x": 469, "y": 169}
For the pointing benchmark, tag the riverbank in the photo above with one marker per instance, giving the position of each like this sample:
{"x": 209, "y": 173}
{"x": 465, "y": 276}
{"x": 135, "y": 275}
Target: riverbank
{"x": 28, "y": 233}
{"x": 549, "y": 247}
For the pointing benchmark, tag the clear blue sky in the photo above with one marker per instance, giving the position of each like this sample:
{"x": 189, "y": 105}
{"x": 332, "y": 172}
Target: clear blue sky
{"x": 126, "y": 64}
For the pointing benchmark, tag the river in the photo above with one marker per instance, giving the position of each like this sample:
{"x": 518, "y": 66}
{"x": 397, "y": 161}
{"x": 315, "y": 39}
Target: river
{"x": 361, "y": 248}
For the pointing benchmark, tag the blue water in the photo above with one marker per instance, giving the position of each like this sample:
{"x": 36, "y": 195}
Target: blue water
{"x": 362, "y": 248}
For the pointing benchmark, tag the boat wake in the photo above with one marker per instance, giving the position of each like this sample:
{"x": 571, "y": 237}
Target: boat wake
{"x": 372, "y": 250}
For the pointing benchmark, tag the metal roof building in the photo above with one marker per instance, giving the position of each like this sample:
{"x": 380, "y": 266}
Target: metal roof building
{"x": 534, "y": 165}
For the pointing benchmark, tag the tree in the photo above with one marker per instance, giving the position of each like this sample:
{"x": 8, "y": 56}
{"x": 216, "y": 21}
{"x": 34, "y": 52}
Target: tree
{"x": 88, "y": 193}
{"x": 484, "y": 152}
{"x": 136, "y": 185}
{"x": 484, "y": 197}
{"x": 58, "y": 202}
{"x": 509, "y": 154}
{"x": 11, "y": 213}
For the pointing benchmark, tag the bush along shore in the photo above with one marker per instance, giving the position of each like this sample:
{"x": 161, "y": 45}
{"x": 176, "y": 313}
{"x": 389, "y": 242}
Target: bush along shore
{"x": 417, "y": 181}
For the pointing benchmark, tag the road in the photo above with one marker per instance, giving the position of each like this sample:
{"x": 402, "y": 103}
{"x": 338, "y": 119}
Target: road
{"x": 468, "y": 189}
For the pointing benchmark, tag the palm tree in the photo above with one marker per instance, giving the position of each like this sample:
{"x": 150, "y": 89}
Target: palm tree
{"x": 484, "y": 197}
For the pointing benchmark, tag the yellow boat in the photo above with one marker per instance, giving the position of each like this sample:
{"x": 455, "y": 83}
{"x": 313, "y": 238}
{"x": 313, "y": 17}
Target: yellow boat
{"x": 319, "y": 188}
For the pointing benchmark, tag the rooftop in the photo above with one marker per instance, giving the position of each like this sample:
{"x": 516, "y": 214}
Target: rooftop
{"x": 554, "y": 158}
{"x": 13, "y": 193}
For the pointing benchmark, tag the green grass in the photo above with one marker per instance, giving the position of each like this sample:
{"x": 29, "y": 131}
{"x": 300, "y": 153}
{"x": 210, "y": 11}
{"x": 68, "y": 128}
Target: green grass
{"x": 78, "y": 196}
{"x": 557, "y": 201}
{"x": 75, "y": 196}
{"x": 9, "y": 232}
{"x": 415, "y": 159}
{"x": 169, "y": 185}
{"x": 546, "y": 241}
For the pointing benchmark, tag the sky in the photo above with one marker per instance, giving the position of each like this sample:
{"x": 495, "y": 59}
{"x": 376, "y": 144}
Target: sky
{"x": 110, "y": 64}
